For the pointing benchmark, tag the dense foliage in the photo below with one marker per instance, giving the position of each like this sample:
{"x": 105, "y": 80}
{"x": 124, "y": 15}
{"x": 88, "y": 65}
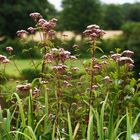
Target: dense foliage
{"x": 14, "y": 13}
{"x": 73, "y": 9}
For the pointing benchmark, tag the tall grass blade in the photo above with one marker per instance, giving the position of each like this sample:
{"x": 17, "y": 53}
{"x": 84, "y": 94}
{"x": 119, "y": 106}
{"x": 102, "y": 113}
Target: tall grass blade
{"x": 111, "y": 125}
{"x": 7, "y": 121}
{"x": 129, "y": 128}
{"x": 90, "y": 135}
{"x": 39, "y": 123}
{"x": 30, "y": 112}
{"x": 21, "y": 111}
{"x": 69, "y": 127}
{"x": 135, "y": 121}
{"x": 117, "y": 126}
{"x": 53, "y": 131}
{"x": 76, "y": 130}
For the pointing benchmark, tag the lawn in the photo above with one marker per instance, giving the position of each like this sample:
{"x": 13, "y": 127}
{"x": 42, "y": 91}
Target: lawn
{"x": 22, "y": 64}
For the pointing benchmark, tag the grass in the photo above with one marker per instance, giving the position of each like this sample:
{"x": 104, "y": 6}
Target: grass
{"x": 12, "y": 71}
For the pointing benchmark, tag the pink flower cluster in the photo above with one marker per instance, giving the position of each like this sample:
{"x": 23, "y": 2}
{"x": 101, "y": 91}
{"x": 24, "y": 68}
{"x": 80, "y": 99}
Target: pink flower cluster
{"x": 35, "y": 16}
{"x": 124, "y": 57}
{"x": 58, "y": 55}
{"x": 45, "y": 26}
{"x": 9, "y": 49}
{"x": 93, "y": 32}
{"x": 23, "y": 88}
{"x": 60, "y": 68}
{"x": 4, "y": 59}
{"x": 21, "y": 33}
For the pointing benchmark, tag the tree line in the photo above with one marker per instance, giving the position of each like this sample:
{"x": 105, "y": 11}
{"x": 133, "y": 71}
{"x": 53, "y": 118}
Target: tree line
{"x": 75, "y": 14}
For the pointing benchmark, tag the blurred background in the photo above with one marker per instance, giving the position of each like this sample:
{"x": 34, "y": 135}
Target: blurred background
{"x": 119, "y": 18}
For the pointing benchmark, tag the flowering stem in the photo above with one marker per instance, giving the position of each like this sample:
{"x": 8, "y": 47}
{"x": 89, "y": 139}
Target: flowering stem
{"x": 92, "y": 73}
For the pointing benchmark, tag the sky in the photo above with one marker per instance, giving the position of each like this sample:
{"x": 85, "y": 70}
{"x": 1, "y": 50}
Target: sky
{"x": 57, "y": 3}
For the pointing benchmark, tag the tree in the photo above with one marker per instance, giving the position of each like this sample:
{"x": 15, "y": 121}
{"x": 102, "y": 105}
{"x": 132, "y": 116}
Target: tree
{"x": 131, "y": 12}
{"x": 77, "y": 14}
{"x": 14, "y": 14}
{"x": 113, "y": 17}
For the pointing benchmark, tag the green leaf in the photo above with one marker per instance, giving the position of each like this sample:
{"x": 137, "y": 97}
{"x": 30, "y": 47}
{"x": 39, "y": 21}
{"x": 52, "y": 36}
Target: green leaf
{"x": 69, "y": 127}
{"x": 99, "y": 49}
{"x": 90, "y": 135}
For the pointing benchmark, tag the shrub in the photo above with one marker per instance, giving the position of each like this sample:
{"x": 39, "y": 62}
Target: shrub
{"x": 20, "y": 50}
{"x": 30, "y": 74}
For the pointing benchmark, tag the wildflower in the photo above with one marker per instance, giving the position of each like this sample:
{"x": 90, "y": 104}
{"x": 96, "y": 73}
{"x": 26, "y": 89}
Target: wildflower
{"x": 75, "y": 69}
{"x": 125, "y": 60}
{"x": 93, "y": 32}
{"x": 31, "y": 30}
{"x": 54, "y": 20}
{"x": 48, "y": 25}
{"x": 107, "y": 79}
{"x": 65, "y": 35}
{"x": 9, "y": 49}
{"x": 35, "y": 16}
{"x": 131, "y": 66}
{"x": 59, "y": 68}
{"x": 44, "y": 82}
{"x": 97, "y": 66}
{"x": 127, "y": 53}
{"x": 94, "y": 87}
{"x": 41, "y": 21}
{"x": 36, "y": 92}
{"x": 72, "y": 57}
{"x": 5, "y": 61}
{"x": 67, "y": 84}
{"x": 64, "y": 55}
{"x": 116, "y": 56}
{"x": 21, "y": 33}
{"x": 51, "y": 34}
{"x": 103, "y": 57}
{"x": 23, "y": 88}
{"x": 2, "y": 58}
{"x": 75, "y": 46}
{"x": 48, "y": 57}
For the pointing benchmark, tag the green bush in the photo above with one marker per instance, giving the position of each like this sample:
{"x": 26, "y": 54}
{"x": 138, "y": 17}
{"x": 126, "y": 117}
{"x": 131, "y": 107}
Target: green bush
{"x": 30, "y": 74}
{"x": 22, "y": 48}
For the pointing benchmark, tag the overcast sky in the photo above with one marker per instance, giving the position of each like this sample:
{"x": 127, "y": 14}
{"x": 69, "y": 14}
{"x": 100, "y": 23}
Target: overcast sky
{"x": 57, "y": 3}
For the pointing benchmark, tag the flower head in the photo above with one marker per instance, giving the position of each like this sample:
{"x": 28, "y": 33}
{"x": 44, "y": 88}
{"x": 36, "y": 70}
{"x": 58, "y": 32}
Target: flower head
{"x": 93, "y": 32}
{"x": 31, "y": 30}
{"x": 127, "y": 53}
{"x": 23, "y": 88}
{"x": 21, "y": 33}
{"x": 9, "y": 49}
{"x": 35, "y": 16}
